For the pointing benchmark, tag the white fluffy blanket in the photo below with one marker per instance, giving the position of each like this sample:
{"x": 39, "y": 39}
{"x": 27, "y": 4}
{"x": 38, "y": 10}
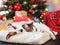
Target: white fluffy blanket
{"x": 38, "y": 37}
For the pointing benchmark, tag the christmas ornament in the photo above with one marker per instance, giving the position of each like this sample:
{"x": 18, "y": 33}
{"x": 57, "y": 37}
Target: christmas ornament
{"x": 32, "y": 1}
{"x": 2, "y": 16}
{"x": 17, "y": 6}
{"x": 11, "y": 7}
{"x": 31, "y": 11}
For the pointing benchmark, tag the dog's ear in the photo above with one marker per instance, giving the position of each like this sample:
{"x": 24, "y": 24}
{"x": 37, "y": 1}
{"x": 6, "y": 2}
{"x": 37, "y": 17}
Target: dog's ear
{"x": 31, "y": 24}
{"x": 23, "y": 26}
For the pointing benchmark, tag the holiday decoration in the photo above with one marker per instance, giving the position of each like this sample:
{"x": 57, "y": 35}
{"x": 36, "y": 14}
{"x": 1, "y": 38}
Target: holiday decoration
{"x": 17, "y": 6}
{"x": 3, "y": 14}
{"x": 10, "y": 7}
{"x": 32, "y": 1}
{"x": 22, "y": 16}
{"x": 52, "y": 19}
{"x": 1, "y": 17}
{"x": 34, "y": 8}
{"x": 31, "y": 11}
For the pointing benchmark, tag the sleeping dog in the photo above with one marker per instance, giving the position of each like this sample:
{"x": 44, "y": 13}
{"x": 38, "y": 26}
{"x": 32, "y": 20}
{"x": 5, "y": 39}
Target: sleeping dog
{"x": 32, "y": 27}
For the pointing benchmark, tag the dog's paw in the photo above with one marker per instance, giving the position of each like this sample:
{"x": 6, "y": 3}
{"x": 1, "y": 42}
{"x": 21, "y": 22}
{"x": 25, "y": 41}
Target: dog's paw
{"x": 10, "y": 34}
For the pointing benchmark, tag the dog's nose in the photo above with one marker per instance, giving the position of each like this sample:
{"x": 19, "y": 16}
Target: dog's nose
{"x": 21, "y": 30}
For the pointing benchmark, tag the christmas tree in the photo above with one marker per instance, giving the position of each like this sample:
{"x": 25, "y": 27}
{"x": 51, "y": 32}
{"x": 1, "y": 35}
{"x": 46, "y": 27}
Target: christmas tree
{"x": 33, "y": 7}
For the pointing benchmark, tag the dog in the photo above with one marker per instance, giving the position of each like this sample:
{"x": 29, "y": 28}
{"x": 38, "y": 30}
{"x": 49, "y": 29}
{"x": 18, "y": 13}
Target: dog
{"x": 34, "y": 27}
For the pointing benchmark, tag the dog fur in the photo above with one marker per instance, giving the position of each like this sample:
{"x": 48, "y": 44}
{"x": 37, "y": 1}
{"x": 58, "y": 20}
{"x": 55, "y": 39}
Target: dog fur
{"x": 35, "y": 27}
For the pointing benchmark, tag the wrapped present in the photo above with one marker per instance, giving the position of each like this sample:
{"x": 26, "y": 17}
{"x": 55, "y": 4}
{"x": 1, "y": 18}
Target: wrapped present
{"x": 58, "y": 15}
{"x": 22, "y": 16}
{"x": 52, "y": 20}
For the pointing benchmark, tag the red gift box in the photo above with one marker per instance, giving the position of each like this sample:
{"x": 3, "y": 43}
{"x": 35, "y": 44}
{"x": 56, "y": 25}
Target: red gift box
{"x": 23, "y": 18}
{"x": 58, "y": 17}
{"x": 52, "y": 20}
{"x": 58, "y": 21}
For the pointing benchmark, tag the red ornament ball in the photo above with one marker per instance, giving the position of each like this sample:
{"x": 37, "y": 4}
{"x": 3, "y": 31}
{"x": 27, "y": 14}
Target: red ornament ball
{"x": 32, "y": 1}
{"x": 17, "y": 6}
{"x": 10, "y": 7}
{"x": 31, "y": 11}
{"x": 1, "y": 16}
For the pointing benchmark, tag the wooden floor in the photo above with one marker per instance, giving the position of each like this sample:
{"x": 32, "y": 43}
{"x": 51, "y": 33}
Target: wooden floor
{"x": 50, "y": 42}
{"x": 55, "y": 42}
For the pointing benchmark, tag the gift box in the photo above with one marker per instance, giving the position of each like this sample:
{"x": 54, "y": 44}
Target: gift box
{"x": 52, "y": 20}
{"x": 58, "y": 15}
{"x": 22, "y": 16}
